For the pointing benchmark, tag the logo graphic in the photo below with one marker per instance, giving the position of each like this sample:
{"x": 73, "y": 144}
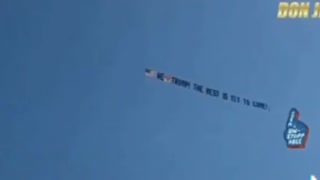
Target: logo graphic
{"x": 298, "y": 10}
{"x": 296, "y": 133}
{"x": 313, "y": 177}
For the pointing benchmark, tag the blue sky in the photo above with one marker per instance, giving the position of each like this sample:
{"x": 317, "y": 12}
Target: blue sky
{"x": 75, "y": 103}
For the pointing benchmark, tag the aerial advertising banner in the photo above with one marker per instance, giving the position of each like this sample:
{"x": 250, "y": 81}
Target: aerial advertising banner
{"x": 205, "y": 90}
{"x": 296, "y": 133}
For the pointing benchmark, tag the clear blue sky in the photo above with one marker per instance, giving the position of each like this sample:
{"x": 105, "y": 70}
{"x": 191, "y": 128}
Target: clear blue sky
{"x": 75, "y": 103}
